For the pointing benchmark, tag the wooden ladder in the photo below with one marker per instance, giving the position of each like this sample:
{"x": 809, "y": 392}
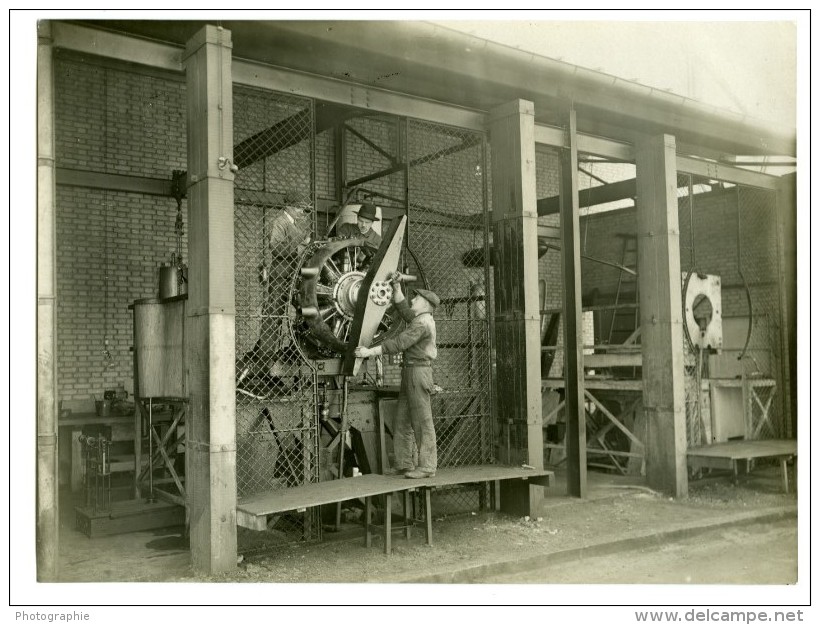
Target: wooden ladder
{"x": 624, "y": 322}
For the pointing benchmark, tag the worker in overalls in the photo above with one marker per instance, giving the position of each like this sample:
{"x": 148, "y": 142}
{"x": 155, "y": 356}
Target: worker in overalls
{"x": 414, "y": 418}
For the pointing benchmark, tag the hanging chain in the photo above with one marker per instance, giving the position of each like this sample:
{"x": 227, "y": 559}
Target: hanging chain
{"x": 108, "y": 361}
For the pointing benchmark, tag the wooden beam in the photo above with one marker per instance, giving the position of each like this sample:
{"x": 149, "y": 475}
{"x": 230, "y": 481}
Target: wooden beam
{"x": 517, "y": 320}
{"x": 659, "y": 282}
{"x": 210, "y": 359}
{"x": 573, "y": 341}
{"x": 612, "y": 360}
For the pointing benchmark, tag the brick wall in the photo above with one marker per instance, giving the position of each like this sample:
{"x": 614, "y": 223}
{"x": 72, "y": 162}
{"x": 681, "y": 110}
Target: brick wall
{"x": 110, "y": 244}
{"x": 715, "y": 237}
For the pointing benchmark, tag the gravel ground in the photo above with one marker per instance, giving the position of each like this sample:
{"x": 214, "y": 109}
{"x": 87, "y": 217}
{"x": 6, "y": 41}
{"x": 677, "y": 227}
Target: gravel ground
{"x": 476, "y": 539}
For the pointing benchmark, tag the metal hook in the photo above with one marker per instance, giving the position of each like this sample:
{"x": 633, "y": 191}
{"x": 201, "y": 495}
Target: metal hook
{"x": 224, "y": 162}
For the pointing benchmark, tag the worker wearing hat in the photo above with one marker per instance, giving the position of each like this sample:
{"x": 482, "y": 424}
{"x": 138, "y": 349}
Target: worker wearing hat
{"x": 290, "y": 227}
{"x": 414, "y": 418}
{"x": 288, "y": 235}
{"x": 363, "y": 227}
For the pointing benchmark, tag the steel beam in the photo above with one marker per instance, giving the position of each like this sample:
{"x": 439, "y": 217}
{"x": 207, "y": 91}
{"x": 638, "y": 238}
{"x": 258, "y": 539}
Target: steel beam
{"x": 210, "y": 359}
{"x": 114, "y": 182}
{"x": 160, "y": 55}
{"x": 573, "y": 327}
{"x": 787, "y": 286}
{"x": 591, "y": 196}
{"x": 624, "y": 152}
{"x": 726, "y": 173}
{"x": 352, "y": 94}
{"x": 599, "y": 146}
{"x": 116, "y": 46}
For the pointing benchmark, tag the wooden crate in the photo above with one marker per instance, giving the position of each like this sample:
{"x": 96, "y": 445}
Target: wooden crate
{"x": 128, "y": 516}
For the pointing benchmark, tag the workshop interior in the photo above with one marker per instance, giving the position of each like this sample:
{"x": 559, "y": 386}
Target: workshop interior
{"x": 609, "y": 304}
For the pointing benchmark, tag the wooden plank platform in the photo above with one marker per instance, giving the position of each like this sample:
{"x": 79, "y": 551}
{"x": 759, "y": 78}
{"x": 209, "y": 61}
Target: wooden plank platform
{"x": 596, "y": 383}
{"x": 726, "y": 455}
{"x": 251, "y": 512}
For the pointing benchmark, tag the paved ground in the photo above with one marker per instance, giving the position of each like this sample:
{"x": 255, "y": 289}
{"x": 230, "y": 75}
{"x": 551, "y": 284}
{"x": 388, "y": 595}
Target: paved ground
{"x": 756, "y": 553}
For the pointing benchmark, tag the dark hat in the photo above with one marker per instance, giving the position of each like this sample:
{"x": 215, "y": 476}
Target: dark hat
{"x": 368, "y": 211}
{"x": 297, "y": 200}
{"x": 429, "y": 296}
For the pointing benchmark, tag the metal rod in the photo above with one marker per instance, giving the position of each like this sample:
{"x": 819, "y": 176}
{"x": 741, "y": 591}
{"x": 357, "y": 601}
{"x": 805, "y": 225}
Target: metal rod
{"x": 376, "y": 147}
{"x": 343, "y": 443}
{"x": 151, "y": 497}
{"x": 376, "y": 175}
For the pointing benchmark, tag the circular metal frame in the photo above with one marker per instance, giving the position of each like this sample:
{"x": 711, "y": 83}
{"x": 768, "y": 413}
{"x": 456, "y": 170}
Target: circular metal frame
{"x": 326, "y": 291}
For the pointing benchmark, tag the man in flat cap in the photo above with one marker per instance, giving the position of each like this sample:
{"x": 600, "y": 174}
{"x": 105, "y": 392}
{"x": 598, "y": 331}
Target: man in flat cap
{"x": 414, "y": 419}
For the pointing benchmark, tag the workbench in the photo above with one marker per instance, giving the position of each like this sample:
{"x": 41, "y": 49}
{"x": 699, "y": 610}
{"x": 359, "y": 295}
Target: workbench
{"x": 71, "y": 427}
{"x": 252, "y": 511}
{"x": 70, "y": 449}
{"x": 726, "y": 455}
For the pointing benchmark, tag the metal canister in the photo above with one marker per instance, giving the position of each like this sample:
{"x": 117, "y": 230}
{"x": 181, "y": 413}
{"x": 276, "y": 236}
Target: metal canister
{"x": 168, "y": 281}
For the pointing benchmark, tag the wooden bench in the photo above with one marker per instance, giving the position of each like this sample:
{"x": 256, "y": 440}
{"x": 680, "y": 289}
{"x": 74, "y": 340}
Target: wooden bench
{"x": 726, "y": 455}
{"x": 252, "y": 512}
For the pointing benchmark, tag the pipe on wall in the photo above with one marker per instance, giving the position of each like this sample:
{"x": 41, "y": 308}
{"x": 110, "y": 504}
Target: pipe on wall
{"x": 47, "y": 465}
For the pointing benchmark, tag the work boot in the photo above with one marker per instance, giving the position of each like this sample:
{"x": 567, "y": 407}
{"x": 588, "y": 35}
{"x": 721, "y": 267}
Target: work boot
{"x": 418, "y": 474}
{"x": 394, "y": 471}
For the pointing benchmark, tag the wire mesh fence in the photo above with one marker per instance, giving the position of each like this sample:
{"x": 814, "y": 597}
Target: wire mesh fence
{"x": 276, "y": 418}
{"x": 447, "y": 233}
{"x": 287, "y": 404}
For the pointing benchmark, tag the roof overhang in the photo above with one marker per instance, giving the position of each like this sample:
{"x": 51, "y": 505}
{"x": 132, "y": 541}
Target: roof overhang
{"x": 429, "y": 61}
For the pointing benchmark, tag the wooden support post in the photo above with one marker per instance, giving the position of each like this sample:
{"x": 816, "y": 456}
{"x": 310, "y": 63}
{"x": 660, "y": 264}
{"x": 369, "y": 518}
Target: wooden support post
{"x": 786, "y": 210}
{"x": 659, "y": 282}
{"x": 407, "y": 517}
{"x": 388, "y": 523}
{"x": 211, "y": 424}
{"x": 48, "y": 521}
{"x": 576, "y": 438}
{"x": 784, "y": 474}
{"x": 428, "y": 516}
{"x": 368, "y": 527}
{"x": 517, "y": 317}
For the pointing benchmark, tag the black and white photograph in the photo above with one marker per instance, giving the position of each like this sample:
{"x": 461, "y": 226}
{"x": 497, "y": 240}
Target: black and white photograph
{"x": 410, "y": 308}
